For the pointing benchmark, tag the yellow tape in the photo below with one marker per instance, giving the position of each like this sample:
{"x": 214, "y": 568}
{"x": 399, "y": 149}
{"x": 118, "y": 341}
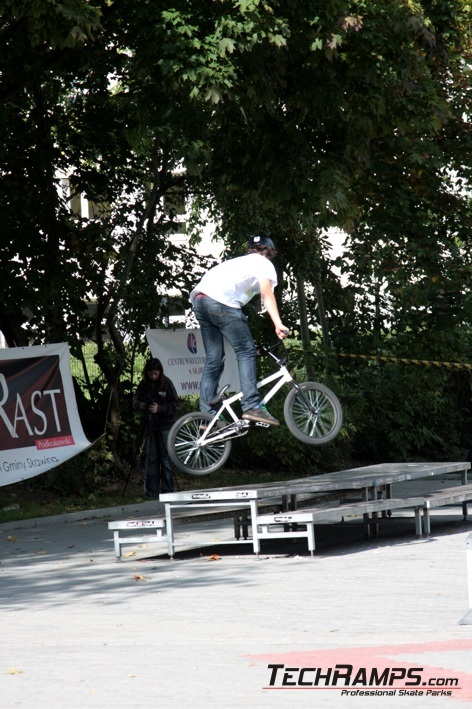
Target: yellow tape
{"x": 403, "y": 360}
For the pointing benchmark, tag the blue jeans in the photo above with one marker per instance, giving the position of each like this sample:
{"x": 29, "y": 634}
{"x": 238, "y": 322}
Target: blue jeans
{"x": 217, "y": 321}
{"x": 159, "y": 471}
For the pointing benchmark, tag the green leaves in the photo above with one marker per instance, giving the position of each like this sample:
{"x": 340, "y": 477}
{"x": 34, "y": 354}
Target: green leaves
{"x": 226, "y": 45}
{"x": 59, "y": 23}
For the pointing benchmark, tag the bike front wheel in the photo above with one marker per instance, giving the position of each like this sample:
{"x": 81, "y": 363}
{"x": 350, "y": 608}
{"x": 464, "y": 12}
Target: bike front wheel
{"x": 189, "y": 453}
{"x": 313, "y": 414}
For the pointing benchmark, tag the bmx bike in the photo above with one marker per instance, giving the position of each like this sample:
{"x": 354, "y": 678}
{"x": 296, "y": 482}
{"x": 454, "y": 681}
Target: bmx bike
{"x": 200, "y": 443}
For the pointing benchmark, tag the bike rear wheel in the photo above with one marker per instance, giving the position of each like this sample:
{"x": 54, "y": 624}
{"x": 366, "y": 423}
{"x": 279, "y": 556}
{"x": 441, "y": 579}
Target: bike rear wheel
{"x": 191, "y": 456}
{"x": 315, "y": 416}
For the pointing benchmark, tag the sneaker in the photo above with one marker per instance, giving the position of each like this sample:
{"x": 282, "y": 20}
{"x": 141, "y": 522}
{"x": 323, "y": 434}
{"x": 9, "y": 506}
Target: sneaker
{"x": 262, "y": 415}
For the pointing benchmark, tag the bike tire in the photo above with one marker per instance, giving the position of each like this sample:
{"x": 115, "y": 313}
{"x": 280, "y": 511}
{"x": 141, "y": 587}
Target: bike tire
{"x": 317, "y": 420}
{"x": 190, "y": 457}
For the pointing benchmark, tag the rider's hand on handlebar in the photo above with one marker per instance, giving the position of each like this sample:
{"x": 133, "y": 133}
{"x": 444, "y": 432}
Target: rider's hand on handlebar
{"x": 282, "y": 332}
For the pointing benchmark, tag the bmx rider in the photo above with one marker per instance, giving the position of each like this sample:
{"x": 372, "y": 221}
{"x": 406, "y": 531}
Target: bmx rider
{"x": 217, "y": 302}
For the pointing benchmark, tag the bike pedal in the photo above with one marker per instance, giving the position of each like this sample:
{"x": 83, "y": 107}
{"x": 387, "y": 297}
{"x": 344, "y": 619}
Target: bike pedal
{"x": 262, "y": 425}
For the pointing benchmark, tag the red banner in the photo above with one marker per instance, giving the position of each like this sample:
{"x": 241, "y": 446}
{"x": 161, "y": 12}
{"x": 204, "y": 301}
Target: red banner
{"x": 39, "y": 424}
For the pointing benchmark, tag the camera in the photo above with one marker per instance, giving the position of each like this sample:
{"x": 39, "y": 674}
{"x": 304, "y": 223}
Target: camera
{"x": 159, "y": 398}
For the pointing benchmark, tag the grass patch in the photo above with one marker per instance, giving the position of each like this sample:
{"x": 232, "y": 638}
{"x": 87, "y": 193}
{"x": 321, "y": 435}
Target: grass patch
{"x": 32, "y": 509}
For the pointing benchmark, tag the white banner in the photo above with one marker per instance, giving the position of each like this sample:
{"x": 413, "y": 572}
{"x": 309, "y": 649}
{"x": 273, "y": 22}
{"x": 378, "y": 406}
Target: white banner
{"x": 183, "y": 356}
{"x": 39, "y": 424}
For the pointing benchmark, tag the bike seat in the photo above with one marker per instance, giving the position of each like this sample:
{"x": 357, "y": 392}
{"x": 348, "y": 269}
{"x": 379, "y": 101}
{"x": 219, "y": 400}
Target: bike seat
{"x": 218, "y": 397}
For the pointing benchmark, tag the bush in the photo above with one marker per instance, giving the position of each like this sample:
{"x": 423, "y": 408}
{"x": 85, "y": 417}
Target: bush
{"x": 82, "y": 475}
{"x": 400, "y": 411}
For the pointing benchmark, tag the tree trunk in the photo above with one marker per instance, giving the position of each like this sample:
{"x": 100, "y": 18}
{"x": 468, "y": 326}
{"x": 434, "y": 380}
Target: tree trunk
{"x": 304, "y": 330}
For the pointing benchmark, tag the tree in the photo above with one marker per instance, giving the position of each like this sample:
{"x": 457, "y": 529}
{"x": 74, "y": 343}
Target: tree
{"x": 281, "y": 116}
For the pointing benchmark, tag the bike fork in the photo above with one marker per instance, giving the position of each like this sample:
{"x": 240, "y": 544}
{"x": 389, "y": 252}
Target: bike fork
{"x": 301, "y": 394}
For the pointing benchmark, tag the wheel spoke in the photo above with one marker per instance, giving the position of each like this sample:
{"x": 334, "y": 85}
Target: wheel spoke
{"x": 315, "y": 419}
{"x": 313, "y": 413}
{"x": 193, "y": 454}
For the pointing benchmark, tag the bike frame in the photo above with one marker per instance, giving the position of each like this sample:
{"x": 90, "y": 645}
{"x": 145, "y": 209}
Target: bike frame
{"x": 284, "y": 377}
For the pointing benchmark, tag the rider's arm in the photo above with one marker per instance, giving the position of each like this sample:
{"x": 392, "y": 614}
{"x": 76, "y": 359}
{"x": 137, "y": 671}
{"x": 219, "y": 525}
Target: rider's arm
{"x": 270, "y": 304}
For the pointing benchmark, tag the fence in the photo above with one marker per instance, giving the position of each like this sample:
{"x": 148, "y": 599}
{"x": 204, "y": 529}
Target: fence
{"x": 92, "y": 370}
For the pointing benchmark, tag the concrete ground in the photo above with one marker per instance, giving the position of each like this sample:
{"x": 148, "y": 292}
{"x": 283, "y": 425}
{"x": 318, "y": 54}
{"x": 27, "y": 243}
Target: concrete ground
{"x": 220, "y": 627}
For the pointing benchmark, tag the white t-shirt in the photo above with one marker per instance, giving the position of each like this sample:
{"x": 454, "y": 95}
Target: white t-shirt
{"x": 236, "y": 281}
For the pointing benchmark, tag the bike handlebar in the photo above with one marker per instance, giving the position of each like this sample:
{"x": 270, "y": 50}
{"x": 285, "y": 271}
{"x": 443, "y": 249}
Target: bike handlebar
{"x": 262, "y": 349}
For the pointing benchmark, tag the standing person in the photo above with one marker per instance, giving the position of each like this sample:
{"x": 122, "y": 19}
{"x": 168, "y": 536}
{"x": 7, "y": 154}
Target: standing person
{"x": 156, "y": 395}
{"x": 217, "y": 302}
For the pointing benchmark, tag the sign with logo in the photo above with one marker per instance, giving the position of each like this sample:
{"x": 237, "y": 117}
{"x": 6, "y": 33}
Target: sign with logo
{"x": 183, "y": 357}
{"x": 39, "y": 423}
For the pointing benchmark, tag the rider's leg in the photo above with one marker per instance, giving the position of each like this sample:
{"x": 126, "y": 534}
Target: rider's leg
{"x": 216, "y": 320}
{"x": 214, "y": 352}
{"x": 237, "y": 332}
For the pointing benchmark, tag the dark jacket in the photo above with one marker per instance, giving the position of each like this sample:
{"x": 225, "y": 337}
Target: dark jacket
{"x": 163, "y": 394}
